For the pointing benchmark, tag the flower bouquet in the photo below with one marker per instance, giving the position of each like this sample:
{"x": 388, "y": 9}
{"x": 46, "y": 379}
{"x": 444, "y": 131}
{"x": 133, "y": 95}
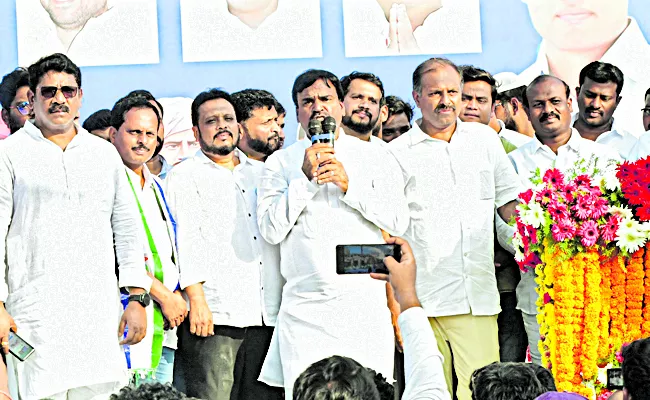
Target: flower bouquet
{"x": 583, "y": 234}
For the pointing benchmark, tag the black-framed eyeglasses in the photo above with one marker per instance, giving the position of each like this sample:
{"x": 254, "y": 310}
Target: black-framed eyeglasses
{"x": 646, "y": 111}
{"x": 49, "y": 92}
{"x": 23, "y": 107}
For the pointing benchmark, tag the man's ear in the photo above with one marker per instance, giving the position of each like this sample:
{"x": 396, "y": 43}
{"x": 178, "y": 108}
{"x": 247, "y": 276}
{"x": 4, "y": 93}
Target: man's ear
{"x": 5, "y": 116}
{"x": 416, "y": 98}
{"x": 516, "y": 105}
{"x": 111, "y": 134}
{"x": 383, "y": 114}
{"x": 197, "y": 134}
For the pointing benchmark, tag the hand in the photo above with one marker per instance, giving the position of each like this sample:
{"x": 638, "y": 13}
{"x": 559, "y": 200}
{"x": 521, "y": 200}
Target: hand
{"x": 200, "y": 318}
{"x": 333, "y": 172}
{"x": 135, "y": 317}
{"x": 401, "y": 275}
{"x": 317, "y": 154}
{"x": 174, "y": 308}
{"x": 400, "y": 36}
{"x": 6, "y": 323}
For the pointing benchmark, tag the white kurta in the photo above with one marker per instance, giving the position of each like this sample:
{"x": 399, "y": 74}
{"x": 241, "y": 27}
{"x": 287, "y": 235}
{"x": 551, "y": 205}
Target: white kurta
{"x": 59, "y": 212}
{"x": 322, "y": 313}
{"x": 162, "y": 233}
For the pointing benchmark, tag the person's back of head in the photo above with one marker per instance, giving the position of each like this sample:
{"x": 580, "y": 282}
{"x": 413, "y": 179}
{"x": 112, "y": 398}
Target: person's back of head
{"x": 150, "y": 391}
{"x": 636, "y": 369}
{"x": 544, "y": 377}
{"x": 335, "y": 377}
{"x": 98, "y": 120}
{"x": 505, "y": 381}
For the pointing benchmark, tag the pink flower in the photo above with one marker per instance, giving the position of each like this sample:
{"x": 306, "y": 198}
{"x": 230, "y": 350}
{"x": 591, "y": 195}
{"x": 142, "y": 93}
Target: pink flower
{"x": 564, "y": 229}
{"x": 526, "y": 196}
{"x": 558, "y": 211}
{"x": 553, "y": 177}
{"x": 608, "y": 231}
{"x": 589, "y": 233}
{"x": 546, "y": 195}
{"x": 619, "y": 357}
{"x": 547, "y": 298}
{"x": 583, "y": 207}
{"x": 600, "y": 207}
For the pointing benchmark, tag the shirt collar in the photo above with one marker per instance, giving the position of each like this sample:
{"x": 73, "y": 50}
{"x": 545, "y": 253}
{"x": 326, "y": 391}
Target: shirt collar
{"x": 135, "y": 178}
{"x": 78, "y": 139}
{"x": 573, "y": 143}
{"x": 616, "y": 127}
{"x": 417, "y": 135}
{"x": 202, "y": 158}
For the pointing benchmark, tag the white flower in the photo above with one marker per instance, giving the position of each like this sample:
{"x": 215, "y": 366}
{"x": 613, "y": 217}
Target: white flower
{"x": 622, "y": 211}
{"x": 519, "y": 256}
{"x": 517, "y": 242}
{"x": 631, "y": 235}
{"x": 534, "y": 216}
{"x": 609, "y": 179}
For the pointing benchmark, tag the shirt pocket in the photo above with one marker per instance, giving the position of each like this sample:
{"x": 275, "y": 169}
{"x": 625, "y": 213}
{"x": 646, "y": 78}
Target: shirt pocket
{"x": 486, "y": 185}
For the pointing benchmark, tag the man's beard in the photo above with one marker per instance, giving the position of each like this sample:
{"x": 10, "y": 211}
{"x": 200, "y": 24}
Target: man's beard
{"x": 267, "y": 148}
{"x": 510, "y": 122}
{"x": 14, "y": 124}
{"x": 360, "y": 127}
{"x": 218, "y": 150}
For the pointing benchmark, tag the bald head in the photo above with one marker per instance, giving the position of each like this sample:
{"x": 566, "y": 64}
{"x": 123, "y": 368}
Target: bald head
{"x": 545, "y": 80}
{"x": 432, "y": 64}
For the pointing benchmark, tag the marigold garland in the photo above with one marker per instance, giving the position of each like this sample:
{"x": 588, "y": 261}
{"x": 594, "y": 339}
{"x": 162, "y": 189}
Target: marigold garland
{"x": 593, "y": 305}
{"x": 604, "y": 352}
{"x": 645, "y": 328}
{"x": 634, "y": 292}
{"x": 617, "y": 305}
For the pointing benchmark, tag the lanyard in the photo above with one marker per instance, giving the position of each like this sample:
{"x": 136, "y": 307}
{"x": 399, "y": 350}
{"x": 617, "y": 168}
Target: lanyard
{"x": 158, "y": 322}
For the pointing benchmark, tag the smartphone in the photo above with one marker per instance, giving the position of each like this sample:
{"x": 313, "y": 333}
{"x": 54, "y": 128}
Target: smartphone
{"x": 364, "y": 258}
{"x": 615, "y": 379}
{"x": 19, "y": 347}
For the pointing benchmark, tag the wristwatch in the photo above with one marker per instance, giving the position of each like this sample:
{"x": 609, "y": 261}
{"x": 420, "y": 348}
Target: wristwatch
{"x": 144, "y": 299}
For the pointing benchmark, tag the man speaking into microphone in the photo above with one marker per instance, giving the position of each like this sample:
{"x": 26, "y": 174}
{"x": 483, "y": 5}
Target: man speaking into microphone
{"x": 311, "y": 198}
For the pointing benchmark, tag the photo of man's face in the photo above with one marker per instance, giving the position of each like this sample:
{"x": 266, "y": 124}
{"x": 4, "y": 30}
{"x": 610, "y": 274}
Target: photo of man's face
{"x": 73, "y": 14}
{"x": 578, "y": 25}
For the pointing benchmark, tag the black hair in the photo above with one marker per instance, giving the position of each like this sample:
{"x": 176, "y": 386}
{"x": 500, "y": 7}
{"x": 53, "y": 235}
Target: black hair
{"x": 601, "y": 72}
{"x": 279, "y": 108}
{"x": 147, "y": 95}
{"x": 519, "y": 93}
{"x": 125, "y": 104}
{"x": 471, "y": 73}
{"x": 636, "y": 369}
{"x": 98, "y": 120}
{"x": 335, "y": 377}
{"x": 247, "y": 100}
{"x": 544, "y": 377}
{"x": 150, "y": 391}
{"x": 55, "y": 62}
{"x": 10, "y": 85}
{"x": 543, "y": 78}
{"x": 210, "y": 94}
{"x": 429, "y": 65}
{"x": 365, "y": 76}
{"x": 505, "y": 381}
{"x": 399, "y": 106}
{"x": 309, "y": 77}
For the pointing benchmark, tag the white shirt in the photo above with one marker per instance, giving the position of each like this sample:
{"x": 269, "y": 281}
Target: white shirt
{"x": 514, "y": 137}
{"x": 323, "y": 313}
{"x": 533, "y": 155}
{"x": 366, "y": 29}
{"x": 162, "y": 233}
{"x": 125, "y": 34}
{"x": 60, "y": 212}
{"x": 618, "y": 138}
{"x": 642, "y": 148}
{"x": 631, "y": 53}
{"x": 425, "y": 378}
{"x": 219, "y": 242}
{"x": 211, "y": 33}
{"x": 457, "y": 187}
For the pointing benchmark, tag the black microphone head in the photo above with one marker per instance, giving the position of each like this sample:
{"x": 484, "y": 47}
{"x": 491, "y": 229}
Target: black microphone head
{"x": 315, "y": 127}
{"x": 329, "y": 125}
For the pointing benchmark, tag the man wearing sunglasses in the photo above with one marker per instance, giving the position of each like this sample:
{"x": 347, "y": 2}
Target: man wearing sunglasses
{"x": 64, "y": 213}
{"x": 13, "y": 97}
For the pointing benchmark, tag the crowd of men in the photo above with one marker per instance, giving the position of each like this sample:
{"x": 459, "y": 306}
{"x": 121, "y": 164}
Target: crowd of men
{"x": 225, "y": 256}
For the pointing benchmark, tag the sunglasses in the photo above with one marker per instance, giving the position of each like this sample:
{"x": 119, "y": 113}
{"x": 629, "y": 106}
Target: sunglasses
{"x": 49, "y": 92}
{"x": 23, "y": 107}
{"x": 646, "y": 111}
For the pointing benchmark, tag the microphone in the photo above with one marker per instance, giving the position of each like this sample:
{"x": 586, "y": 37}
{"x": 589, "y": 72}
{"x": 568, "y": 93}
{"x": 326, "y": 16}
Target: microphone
{"x": 315, "y": 130}
{"x": 329, "y": 129}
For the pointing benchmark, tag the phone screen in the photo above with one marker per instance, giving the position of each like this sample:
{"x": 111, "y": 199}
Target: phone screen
{"x": 364, "y": 258}
{"x": 19, "y": 347}
{"x": 615, "y": 379}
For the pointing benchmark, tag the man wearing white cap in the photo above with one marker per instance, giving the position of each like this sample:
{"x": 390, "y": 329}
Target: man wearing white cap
{"x": 513, "y": 123}
{"x": 180, "y": 142}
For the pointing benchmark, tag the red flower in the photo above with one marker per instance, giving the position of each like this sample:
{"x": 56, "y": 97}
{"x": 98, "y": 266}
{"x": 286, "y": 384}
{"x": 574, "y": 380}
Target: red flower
{"x": 526, "y": 196}
{"x": 554, "y": 178}
{"x": 643, "y": 212}
{"x": 582, "y": 181}
{"x": 547, "y": 298}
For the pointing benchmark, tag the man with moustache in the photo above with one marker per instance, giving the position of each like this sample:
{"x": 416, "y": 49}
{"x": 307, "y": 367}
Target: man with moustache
{"x": 364, "y": 105}
{"x": 65, "y": 207}
{"x": 556, "y": 145}
{"x": 226, "y": 266}
{"x": 312, "y": 198}
{"x": 642, "y": 149}
{"x": 453, "y": 240}
{"x": 16, "y": 108}
{"x": 512, "y": 121}
{"x": 398, "y": 121}
{"x": 259, "y": 119}
{"x": 599, "y": 94}
{"x": 134, "y": 126}
{"x": 282, "y": 113}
